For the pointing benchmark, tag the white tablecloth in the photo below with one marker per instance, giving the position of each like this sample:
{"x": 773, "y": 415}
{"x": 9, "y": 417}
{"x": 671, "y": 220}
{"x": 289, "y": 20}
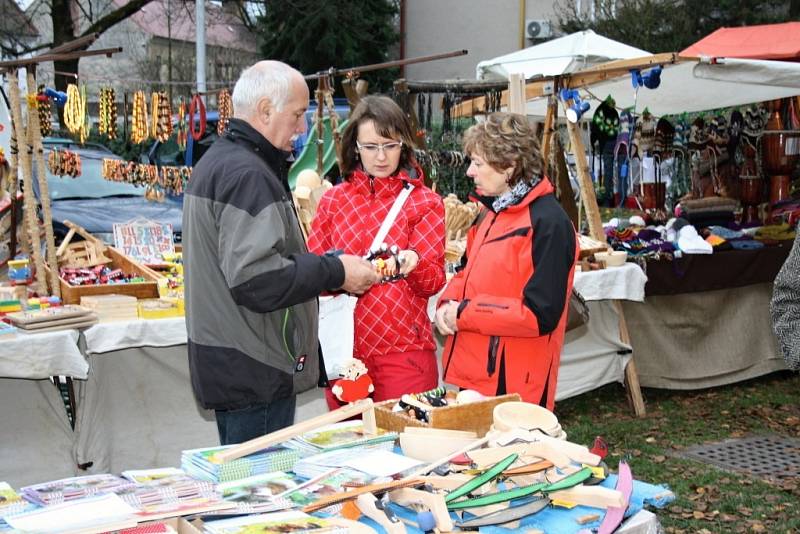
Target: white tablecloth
{"x": 625, "y": 282}
{"x": 119, "y": 335}
{"x": 37, "y": 356}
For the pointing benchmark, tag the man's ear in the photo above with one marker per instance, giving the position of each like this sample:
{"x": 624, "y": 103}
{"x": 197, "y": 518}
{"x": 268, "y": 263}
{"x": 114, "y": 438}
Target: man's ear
{"x": 264, "y": 109}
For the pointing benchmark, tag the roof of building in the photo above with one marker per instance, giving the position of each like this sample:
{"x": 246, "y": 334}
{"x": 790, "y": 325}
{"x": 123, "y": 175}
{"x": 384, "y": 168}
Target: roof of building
{"x": 222, "y": 27}
{"x": 15, "y": 20}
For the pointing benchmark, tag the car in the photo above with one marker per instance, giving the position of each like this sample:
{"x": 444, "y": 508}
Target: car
{"x": 95, "y": 203}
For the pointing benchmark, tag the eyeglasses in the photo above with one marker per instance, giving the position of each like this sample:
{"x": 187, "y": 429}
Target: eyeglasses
{"x": 373, "y": 149}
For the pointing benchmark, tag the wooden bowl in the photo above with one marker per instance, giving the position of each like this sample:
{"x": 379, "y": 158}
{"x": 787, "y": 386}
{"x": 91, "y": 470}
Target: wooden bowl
{"x": 527, "y": 416}
{"x": 614, "y": 258}
{"x": 429, "y": 447}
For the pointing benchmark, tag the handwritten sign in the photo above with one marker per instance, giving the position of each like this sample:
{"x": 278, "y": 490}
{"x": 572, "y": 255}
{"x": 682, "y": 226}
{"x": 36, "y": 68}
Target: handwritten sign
{"x": 145, "y": 241}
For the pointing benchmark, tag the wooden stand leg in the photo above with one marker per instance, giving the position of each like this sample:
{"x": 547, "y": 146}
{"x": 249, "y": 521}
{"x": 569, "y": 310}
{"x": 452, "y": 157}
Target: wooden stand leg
{"x": 631, "y": 378}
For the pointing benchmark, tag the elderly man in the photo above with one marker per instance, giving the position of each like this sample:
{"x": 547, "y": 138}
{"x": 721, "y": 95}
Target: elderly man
{"x": 251, "y": 284}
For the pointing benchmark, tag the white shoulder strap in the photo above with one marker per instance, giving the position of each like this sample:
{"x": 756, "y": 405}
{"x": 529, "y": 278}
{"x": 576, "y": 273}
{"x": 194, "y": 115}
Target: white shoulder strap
{"x": 391, "y": 216}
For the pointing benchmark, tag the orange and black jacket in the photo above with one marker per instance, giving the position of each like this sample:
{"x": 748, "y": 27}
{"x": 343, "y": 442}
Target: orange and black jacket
{"x": 513, "y": 292}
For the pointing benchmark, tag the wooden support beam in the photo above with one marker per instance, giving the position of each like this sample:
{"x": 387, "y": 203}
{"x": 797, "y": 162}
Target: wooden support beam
{"x": 631, "y": 376}
{"x": 31, "y": 220}
{"x": 581, "y": 78}
{"x": 35, "y": 134}
{"x": 549, "y": 129}
{"x": 62, "y": 56}
{"x": 516, "y": 91}
{"x": 588, "y": 196}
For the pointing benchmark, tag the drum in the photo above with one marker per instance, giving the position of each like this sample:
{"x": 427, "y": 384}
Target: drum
{"x": 780, "y": 150}
{"x": 779, "y": 186}
{"x": 654, "y": 195}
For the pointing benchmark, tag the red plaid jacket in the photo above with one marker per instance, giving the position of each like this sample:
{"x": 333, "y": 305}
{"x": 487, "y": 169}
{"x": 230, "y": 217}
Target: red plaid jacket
{"x": 390, "y": 317}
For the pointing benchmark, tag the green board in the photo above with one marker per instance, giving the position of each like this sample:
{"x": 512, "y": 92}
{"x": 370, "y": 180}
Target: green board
{"x": 308, "y": 157}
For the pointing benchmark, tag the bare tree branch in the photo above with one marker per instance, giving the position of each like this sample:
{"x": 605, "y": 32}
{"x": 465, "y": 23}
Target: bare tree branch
{"x": 116, "y": 16}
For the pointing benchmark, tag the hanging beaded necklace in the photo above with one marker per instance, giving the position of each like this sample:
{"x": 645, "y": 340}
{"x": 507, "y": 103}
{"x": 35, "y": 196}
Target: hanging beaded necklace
{"x": 139, "y": 130}
{"x": 197, "y": 105}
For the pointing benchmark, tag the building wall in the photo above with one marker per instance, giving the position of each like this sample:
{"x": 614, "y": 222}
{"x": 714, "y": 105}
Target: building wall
{"x": 487, "y": 28}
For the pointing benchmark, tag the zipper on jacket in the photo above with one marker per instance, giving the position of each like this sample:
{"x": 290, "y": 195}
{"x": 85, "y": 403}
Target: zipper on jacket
{"x": 491, "y": 363}
{"x": 463, "y": 293}
{"x": 292, "y": 357}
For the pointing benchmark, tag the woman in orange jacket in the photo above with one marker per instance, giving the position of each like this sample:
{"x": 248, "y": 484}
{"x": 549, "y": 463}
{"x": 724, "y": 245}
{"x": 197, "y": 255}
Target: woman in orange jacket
{"x": 505, "y": 311}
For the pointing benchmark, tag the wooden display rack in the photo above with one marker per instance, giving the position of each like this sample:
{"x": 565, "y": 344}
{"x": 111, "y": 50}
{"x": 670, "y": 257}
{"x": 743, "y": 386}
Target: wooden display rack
{"x": 91, "y": 252}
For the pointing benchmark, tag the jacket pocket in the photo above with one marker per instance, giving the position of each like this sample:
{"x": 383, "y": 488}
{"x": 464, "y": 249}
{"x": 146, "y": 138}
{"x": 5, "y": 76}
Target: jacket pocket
{"x": 491, "y": 360}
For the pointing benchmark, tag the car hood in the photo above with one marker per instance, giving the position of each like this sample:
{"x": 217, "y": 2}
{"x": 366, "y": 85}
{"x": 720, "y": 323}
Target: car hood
{"x": 98, "y": 215}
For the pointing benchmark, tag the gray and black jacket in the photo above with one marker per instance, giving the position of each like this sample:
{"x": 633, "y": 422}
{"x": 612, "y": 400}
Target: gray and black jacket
{"x": 250, "y": 283}
{"x": 785, "y": 307}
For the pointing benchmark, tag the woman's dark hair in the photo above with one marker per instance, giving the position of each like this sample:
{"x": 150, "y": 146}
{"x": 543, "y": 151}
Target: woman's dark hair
{"x": 507, "y": 140}
{"x": 390, "y": 122}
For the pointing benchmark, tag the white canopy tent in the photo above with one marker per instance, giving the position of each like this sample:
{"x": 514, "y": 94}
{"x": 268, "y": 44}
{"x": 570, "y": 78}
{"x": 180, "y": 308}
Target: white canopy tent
{"x": 694, "y": 85}
{"x": 565, "y": 54}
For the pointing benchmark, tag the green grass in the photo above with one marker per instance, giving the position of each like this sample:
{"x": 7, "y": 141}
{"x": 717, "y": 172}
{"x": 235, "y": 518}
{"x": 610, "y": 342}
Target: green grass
{"x": 708, "y": 499}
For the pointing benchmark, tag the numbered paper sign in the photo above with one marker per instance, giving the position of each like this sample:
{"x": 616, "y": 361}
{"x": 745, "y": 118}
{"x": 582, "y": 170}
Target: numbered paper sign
{"x": 143, "y": 240}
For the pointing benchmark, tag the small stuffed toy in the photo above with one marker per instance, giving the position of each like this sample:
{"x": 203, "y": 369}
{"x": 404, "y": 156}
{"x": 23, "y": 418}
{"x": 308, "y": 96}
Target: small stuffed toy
{"x": 355, "y": 383}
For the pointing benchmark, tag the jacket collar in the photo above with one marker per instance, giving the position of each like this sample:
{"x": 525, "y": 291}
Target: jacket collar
{"x": 389, "y": 186}
{"x": 544, "y": 187}
{"x": 241, "y": 131}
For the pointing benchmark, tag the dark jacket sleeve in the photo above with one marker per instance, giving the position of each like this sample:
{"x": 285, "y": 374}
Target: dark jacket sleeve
{"x": 545, "y": 294}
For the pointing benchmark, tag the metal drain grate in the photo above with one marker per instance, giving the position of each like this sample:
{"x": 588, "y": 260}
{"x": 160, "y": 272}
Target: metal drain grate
{"x": 769, "y": 456}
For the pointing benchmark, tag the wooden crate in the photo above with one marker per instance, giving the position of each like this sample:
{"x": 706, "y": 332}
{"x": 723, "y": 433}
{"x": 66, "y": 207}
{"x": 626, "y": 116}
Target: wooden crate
{"x": 140, "y": 290}
{"x": 475, "y": 416}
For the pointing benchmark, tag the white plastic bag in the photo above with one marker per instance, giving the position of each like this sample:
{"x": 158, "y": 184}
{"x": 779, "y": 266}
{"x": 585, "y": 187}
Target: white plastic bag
{"x": 336, "y": 331}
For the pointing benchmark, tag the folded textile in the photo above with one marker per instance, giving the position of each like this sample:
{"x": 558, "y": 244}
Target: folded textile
{"x": 746, "y": 244}
{"x": 725, "y": 233}
{"x": 690, "y": 242}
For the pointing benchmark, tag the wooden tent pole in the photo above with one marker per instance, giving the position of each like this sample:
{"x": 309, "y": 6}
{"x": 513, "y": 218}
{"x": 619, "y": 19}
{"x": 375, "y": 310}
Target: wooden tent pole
{"x": 31, "y": 223}
{"x": 549, "y": 122}
{"x": 588, "y": 197}
{"x": 34, "y": 131}
{"x": 516, "y": 90}
{"x": 13, "y": 188}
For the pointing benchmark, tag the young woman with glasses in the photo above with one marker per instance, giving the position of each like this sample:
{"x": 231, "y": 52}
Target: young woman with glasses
{"x": 393, "y": 334}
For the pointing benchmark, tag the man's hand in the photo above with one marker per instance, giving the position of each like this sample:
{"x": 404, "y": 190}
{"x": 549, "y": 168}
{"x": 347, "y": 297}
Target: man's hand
{"x": 446, "y": 317}
{"x": 359, "y": 274}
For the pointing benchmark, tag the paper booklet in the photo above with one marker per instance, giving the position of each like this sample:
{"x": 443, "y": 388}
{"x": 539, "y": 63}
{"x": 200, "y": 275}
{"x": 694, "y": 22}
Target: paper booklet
{"x": 274, "y": 523}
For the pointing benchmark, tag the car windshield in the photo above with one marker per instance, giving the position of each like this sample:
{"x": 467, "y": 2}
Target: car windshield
{"x": 90, "y": 183}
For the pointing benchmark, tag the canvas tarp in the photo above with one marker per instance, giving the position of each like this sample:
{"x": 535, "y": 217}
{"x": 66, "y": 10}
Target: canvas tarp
{"x": 766, "y": 41}
{"x": 565, "y": 54}
{"x": 690, "y": 86}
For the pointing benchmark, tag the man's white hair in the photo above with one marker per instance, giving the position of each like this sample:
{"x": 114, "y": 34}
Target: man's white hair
{"x": 270, "y": 79}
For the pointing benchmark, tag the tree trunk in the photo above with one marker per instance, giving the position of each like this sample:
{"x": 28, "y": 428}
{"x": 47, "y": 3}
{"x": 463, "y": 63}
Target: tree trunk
{"x": 63, "y": 32}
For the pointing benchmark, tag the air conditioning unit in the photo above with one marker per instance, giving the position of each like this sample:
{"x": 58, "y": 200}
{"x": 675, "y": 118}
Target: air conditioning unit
{"x": 538, "y": 29}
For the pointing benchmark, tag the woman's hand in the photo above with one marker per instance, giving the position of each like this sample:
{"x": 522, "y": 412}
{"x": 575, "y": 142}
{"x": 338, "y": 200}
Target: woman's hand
{"x": 446, "y": 317}
{"x": 408, "y": 262}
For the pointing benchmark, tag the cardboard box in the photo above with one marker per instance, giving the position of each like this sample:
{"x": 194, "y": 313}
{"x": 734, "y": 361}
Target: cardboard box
{"x": 475, "y": 416}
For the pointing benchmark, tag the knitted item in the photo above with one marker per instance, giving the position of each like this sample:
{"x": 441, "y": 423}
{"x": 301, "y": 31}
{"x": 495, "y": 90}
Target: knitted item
{"x": 514, "y": 195}
{"x": 785, "y": 307}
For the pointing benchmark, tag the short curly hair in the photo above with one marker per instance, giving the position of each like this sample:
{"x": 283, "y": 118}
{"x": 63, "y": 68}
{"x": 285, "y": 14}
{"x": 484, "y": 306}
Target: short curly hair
{"x": 507, "y": 140}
